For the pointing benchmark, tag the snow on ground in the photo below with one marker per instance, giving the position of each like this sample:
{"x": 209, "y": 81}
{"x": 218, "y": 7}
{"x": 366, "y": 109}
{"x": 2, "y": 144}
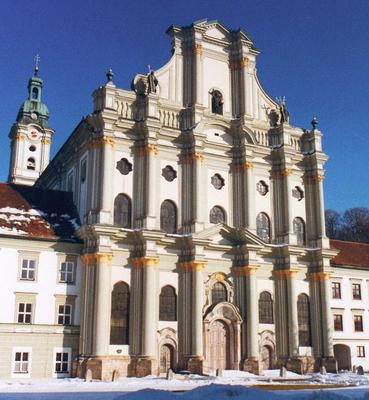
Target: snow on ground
{"x": 233, "y": 385}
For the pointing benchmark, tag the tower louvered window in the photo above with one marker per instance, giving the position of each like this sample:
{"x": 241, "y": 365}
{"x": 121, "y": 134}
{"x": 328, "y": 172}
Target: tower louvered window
{"x": 265, "y": 308}
{"x": 168, "y": 304}
{"x": 168, "y": 217}
{"x": 218, "y": 293}
{"x": 263, "y": 227}
{"x": 303, "y": 313}
{"x": 299, "y": 231}
{"x": 122, "y": 211}
{"x": 119, "y": 324}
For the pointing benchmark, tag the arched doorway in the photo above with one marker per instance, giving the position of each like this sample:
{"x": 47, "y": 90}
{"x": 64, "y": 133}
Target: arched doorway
{"x": 342, "y": 354}
{"x": 266, "y": 357}
{"x": 219, "y": 345}
{"x": 166, "y": 357}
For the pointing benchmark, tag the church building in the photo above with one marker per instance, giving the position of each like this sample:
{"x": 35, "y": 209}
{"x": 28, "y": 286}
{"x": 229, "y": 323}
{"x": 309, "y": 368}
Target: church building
{"x": 181, "y": 225}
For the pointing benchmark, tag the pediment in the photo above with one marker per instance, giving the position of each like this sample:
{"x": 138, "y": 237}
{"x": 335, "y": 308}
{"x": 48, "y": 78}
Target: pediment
{"x": 222, "y": 234}
{"x": 215, "y": 32}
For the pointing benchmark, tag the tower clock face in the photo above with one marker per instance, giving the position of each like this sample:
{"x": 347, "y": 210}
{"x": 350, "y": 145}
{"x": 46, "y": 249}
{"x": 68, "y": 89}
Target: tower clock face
{"x": 33, "y": 134}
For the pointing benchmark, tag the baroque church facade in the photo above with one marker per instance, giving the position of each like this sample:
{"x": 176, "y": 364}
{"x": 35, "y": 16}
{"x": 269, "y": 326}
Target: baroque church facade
{"x": 200, "y": 243}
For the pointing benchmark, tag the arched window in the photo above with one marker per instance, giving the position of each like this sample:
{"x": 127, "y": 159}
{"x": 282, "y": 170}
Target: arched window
{"x": 217, "y": 102}
{"x": 34, "y": 93}
{"x": 31, "y": 164}
{"x": 122, "y": 211}
{"x": 168, "y": 304}
{"x": 265, "y": 308}
{"x": 263, "y": 227}
{"x": 299, "y": 231}
{"x": 218, "y": 293}
{"x": 119, "y": 324}
{"x": 168, "y": 216}
{"x": 303, "y": 314}
{"x": 217, "y": 215}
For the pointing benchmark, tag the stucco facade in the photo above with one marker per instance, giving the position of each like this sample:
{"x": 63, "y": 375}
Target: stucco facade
{"x": 194, "y": 189}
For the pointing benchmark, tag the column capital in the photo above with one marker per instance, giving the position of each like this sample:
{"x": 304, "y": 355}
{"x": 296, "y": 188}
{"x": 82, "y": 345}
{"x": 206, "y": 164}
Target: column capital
{"x": 315, "y": 178}
{"x": 319, "y": 276}
{"x": 95, "y": 143}
{"x": 246, "y": 165}
{"x": 192, "y": 265}
{"x": 245, "y": 270}
{"x": 146, "y": 149}
{"x": 285, "y": 273}
{"x": 146, "y": 261}
{"x": 282, "y": 173}
{"x": 93, "y": 258}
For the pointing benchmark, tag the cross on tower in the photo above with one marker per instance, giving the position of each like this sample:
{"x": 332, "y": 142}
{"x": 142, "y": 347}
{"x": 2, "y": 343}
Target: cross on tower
{"x": 37, "y": 60}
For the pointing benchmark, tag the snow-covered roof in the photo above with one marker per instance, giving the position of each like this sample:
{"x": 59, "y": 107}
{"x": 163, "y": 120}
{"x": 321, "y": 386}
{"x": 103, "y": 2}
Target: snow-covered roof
{"x": 37, "y": 213}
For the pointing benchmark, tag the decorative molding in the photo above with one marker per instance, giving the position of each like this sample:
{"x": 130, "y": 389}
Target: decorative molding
{"x": 314, "y": 178}
{"x": 148, "y": 148}
{"x": 239, "y": 64}
{"x": 244, "y": 166}
{"x": 190, "y": 266}
{"x": 146, "y": 261}
{"x": 283, "y": 173}
{"x": 45, "y": 141}
{"x": 319, "y": 276}
{"x": 189, "y": 158}
{"x": 19, "y": 136}
{"x": 96, "y": 143}
{"x": 285, "y": 273}
{"x": 94, "y": 258}
{"x": 245, "y": 270}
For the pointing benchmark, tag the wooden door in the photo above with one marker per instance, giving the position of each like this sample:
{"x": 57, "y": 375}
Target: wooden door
{"x": 266, "y": 357}
{"x": 166, "y": 358}
{"x": 219, "y": 345}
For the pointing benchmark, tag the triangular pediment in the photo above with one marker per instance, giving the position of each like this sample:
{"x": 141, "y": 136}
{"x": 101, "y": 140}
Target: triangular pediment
{"x": 225, "y": 235}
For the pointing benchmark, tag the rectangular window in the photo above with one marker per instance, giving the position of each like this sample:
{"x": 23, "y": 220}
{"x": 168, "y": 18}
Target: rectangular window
{"x": 66, "y": 272}
{"x": 356, "y": 291}
{"x": 358, "y": 323}
{"x": 62, "y": 362}
{"x": 70, "y": 182}
{"x": 25, "y": 313}
{"x": 64, "y": 314}
{"x": 336, "y": 290}
{"x": 338, "y": 322}
{"x": 360, "y": 350}
{"x": 21, "y": 365}
{"x": 28, "y": 270}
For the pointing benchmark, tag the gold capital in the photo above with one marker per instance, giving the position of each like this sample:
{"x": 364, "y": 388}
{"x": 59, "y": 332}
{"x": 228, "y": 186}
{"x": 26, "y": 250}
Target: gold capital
{"x": 245, "y": 270}
{"x": 146, "y": 261}
{"x": 193, "y": 265}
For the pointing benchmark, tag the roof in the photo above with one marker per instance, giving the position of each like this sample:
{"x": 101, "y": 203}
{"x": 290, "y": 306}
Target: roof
{"x": 352, "y": 254}
{"x": 38, "y": 213}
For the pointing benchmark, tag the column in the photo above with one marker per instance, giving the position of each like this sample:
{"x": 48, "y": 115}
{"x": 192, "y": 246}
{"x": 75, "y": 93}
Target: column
{"x": 149, "y": 309}
{"x": 198, "y": 198}
{"x": 293, "y": 331}
{"x": 198, "y": 72}
{"x": 151, "y": 151}
{"x": 102, "y": 305}
{"x": 250, "y": 196}
{"x": 288, "y": 223}
{"x": 327, "y": 328}
{"x": 106, "y": 201}
{"x": 197, "y": 305}
{"x": 252, "y": 313}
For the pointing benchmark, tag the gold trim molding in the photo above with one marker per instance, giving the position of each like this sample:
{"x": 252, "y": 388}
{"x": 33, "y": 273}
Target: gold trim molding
{"x": 148, "y": 148}
{"x": 319, "y": 276}
{"x": 239, "y": 64}
{"x": 94, "y": 258}
{"x": 282, "y": 173}
{"x": 96, "y": 143}
{"x": 146, "y": 261}
{"x": 285, "y": 273}
{"x": 191, "y": 266}
{"x": 244, "y": 166}
{"x": 245, "y": 270}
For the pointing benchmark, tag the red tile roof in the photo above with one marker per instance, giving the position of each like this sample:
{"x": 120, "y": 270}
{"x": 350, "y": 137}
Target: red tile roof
{"x": 351, "y": 253}
{"x": 34, "y": 212}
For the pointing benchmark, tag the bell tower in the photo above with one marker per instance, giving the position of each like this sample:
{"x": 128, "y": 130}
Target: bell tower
{"x": 30, "y": 136}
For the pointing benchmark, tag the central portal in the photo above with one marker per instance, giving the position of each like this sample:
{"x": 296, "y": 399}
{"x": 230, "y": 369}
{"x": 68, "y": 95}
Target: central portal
{"x": 219, "y": 345}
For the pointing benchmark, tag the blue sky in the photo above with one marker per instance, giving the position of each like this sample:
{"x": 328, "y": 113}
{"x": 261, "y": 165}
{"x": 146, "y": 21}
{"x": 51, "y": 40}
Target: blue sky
{"x": 315, "y": 53}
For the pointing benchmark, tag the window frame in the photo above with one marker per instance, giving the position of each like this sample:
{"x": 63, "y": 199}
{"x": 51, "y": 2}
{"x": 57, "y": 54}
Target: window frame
{"x": 64, "y": 317}
{"x": 360, "y": 351}
{"x": 117, "y": 323}
{"x": 28, "y": 260}
{"x": 22, "y": 350}
{"x": 336, "y": 288}
{"x": 266, "y": 314}
{"x": 356, "y": 291}
{"x": 64, "y": 300}
{"x": 60, "y": 272}
{"x": 167, "y": 309}
{"x": 164, "y": 220}
{"x": 61, "y": 350}
{"x": 356, "y": 318}
{"x": 263, "y": 231}
{"x": 338, "y": 325}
